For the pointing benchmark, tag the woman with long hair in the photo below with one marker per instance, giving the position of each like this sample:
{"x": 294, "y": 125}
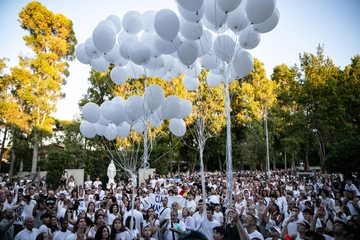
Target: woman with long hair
{"x": 102, "y": 233}
{"x": 90, "y": 211}
{"x": 80, "y": 230}
{"x": 135, "y": 234}
{"x": 99, "y": 222}
{"x": 152, "y": 222}
{"x": 53, "y": 226}
{"x": 187, "y": 219}
{"x": 272, "y": 217}
{"x": 113, "y": 213}
{"x": 118, "y": 230}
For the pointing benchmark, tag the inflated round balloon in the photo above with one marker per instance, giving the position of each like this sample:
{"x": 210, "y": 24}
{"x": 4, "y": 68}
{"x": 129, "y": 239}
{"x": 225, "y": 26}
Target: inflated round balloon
{"x": 177, "y": 70}
{"x": 192, "y": 6}
{"x": 166, "y": 47}
{"x": 188, "y": 52}
{"x": 224, "y": 47}
{"x": 125, "y": 47}
{"x": 103, "y": 121}
{"x": 205, "y": 43}
{"x": 237, "y": 20}
{"x": 169, "y": 63}
{"x": 190, "y": 30}
{"x": 210, "y": 61}
{"x": 117, "y": 113}
{"x": 159, "y": 114}
{"x": 154, "y": 96}
{"x": 213, "y": 80}
{"x": 186, "y": 109}
{"x": 111, "y": 132}
{"x": 132, "y": 22}
{"x": 155, "y": 64}
{"x": 87, "y": 129}
{"x": 191, "y": 16}
{"x": 139, "y": 126}
{"x": 269, "y": 24}
{"x": 116, "y": 21}
{"x": 104, "y": 107}
{"x": 233, "y": 74}
{"x": 177, "y": 127}
{"x": 81, "y": 54}
{"x": 123, "y": 35}
{"x": 193, "y": 71}
{"x": 148, "y": 21}
{"x": 156, "y": 124}
{"x": 114, "y": 55}
{"x": 243, "y": 63}
{"x": 228, "y": 5}
{"x": 118, "y": 75}
{"x": 123, "y": 130}
{"x": 134, "y": 107}
{"x": 139, "y": 53}
{"x": 91, "y": 50}
{"x": 219, "y": 70}
{"x": 122, "y": 62}
{"x": 100, "y": 64}
{"x": 100, "y": 129}
{"x": 170, "y": 108}
{"x": 149, "y": 41}
{"x": 134, "y": 71}
{"x": 104, "y": 38}
{"x": 118, "y": 99}
{"x": 166, "y": 24}
{"x": 258, "y": 11}
{"x": 159, "y": 73}
{"x": 249, "y": 38}
{"x": 189, "y": 83}
{"x": 91, "y": 112}
{"x": 109, "y": 24}
{"x": 215, "y": 15}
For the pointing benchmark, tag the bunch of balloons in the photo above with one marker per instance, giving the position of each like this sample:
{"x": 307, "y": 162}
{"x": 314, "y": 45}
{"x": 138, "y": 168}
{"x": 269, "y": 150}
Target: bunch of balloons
{"x": 210, "y": 34}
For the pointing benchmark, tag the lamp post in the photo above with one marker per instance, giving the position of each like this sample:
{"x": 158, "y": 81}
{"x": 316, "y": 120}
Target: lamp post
{"x": 267, "y": 144}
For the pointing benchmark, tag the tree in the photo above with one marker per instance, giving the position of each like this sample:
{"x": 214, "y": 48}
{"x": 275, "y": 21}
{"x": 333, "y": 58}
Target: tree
{"x": 38, "y": 79}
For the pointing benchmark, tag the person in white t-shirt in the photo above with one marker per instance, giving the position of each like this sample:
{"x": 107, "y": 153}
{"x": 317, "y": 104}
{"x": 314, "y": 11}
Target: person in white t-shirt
{"x": 97, "y": 182}
{"x": 207, "y": 225}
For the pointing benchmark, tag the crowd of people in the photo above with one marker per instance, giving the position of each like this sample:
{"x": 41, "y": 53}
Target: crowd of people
{"x": 280, "y": 205}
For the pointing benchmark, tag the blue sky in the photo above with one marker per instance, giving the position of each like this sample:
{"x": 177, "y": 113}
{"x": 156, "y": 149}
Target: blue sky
{"x": 303, "y": 25}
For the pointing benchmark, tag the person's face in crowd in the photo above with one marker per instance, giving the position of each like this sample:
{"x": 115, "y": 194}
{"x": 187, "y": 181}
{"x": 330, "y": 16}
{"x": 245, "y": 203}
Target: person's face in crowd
{"x": 217, "y": 235}
{"x": 8, "y": 213}
{"x": 338, "y": 228}
{"x": 307, "y": 216}
{"x": 105, "y": 233}
{"x": 200, "y": 206}
{"x": 164, "y": 202}
{"x": 295, "y": 212}
{"x": 46, "y": 220}
{"x": 147, "y": 232}
{"x": 209, "y": 214}
{"x": 30, "y": 224}
{"x": 175, "y": 206}
{"x": 64, "y": 226}
{"x": 176, "y": 191}
{"x": 32, "y": 191}
{"x": 248, "y": 202}
{"x": 100, "y": 221}
{"x": 62, "y": 197}
{"x": 173, "y": 217}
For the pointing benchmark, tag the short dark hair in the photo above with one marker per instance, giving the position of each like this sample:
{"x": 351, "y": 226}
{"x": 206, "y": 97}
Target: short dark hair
{"x": 220, "y": 230}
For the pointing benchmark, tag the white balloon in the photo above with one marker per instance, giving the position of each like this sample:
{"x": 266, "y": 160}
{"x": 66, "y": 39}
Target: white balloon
{"x": 118, "y": 75}
{"x": 169, "y": 62}
{"x": 114, "y": 55}
{"x": 87, "y": 129}
{"x": 132, "y": 22}
{"x": 149, "y": 41}
{"x": 224, "y": 47}
{"x": 125, "y": 47}
{"x": 219, "y": 70}
{"x": 104, "y": 38}
{"x": 170, "y": 108}
{"x": 81, "y": 54}
{"x": 215, "y": 15}
{"x": 109, "y": 24}
{"x": 159, "y": 114}
{"x": 91, "y": 50}
{"x": 193, "y": 71}
{"x": 205, "y": 43}
{"x": 177, "y": 70}
{"x": 189, "y": 83}
{"x": 111, "y": 132}
{"x": 213, "y": 80}
{"x": 125, "y": 35}
{"x": 155, "y": 64}
{"x": 139, "y": 53}
{"x": 192, "y": 6}
{"x": 166, "y": 24}
{"x": 134, "y": 71}
{"x": 159, "y": 73}
{"x": 134, "y": 107}
{"x": 188, "y": 52}
{"x": 123, "y": 130}
{"x": 233, "y": 74}
{"x": 190, "y": 30}
{"x": 166, "y": 47}
{"x": 148, "y": 21}
{"x": 156, "y": 124}
{"x": 103, "y": 121}
{"x": 154, "y": 96}
{"x": 139, "y": 126}
{"x": 91, "y": 112}
{"x": 100, "y": 129}
{"x": 237, "y": 20}
{"x": 210, "y": 61}
{"x": 191, "y": 16}
{"x": 249, "y": 38}
{"x": 118, "y": 99}
{"x": 186, "y": 109}
{"x": 258, "y": 11}
{"x": 100, "y": 64}
{"x": 104, "y": 107}
{"x": 117, "y": 113}
{"x": 228, "y": 5}
{"x": 269, "y": 24}
{"x": 117, "y": 22}
{"x": 122, "y": 62}
{"x": 177, "y": 127}
{"x": 243, "y": 63}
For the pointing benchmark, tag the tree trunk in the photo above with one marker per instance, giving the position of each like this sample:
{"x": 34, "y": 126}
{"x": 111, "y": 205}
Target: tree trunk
{"x": 35, "y": 153}
{"x": 11, "y": 169}
{"x": 306, "y": 165}
{"x": 219, "y": 161}
{"x": 3, "y": 146}
{"x": 321, "y": 150}
{"x": 285, "y": 161}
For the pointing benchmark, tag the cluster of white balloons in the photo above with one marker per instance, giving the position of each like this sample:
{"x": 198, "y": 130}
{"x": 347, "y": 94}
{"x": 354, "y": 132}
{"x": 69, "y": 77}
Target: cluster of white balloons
{"x": 210, "y": 34}
{"x": 114, "y": 118}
